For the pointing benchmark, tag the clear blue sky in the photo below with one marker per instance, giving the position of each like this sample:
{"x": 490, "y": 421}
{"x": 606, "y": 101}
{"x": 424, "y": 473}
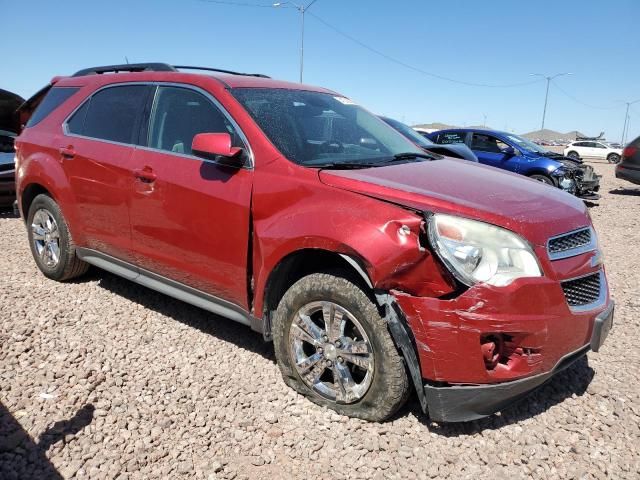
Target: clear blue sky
{"x": 494, "y": 42}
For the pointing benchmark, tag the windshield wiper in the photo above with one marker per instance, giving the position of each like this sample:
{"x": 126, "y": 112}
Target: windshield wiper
{"x": 412, "y": 155}
{"x": 344, "y": 166}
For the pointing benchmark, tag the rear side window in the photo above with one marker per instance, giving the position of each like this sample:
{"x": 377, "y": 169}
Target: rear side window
{"x": 449, "y": 138}
{"x": 76, "y": 122}
{"x": 112, "y": 114}
{"x": 52, "y": 100}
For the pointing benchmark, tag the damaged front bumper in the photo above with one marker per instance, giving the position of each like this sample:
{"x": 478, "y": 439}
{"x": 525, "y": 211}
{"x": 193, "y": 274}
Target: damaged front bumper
{"x": 530, "y": 320}
{"x": 461, "y": 403}
{"x": 587, "y": 183}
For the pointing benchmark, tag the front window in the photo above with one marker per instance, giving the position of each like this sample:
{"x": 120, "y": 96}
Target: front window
{"x": 318, "y": 129}
{"x": 170, "y": 131}
{"x": 487, "y": 143}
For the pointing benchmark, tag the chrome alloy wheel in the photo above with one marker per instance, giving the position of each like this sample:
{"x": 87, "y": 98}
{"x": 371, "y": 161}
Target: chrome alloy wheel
{"x": 331, "y": 352}
{"x": 46, "y": 238}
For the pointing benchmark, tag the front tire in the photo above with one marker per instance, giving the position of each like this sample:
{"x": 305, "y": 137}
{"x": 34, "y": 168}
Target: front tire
{"x": 544, "y": 179}
{"x": 333, "y": 347}
{"x": 613, "y": 158}
{"x": 51, "y": 244}
{"x": 573, "y": 155}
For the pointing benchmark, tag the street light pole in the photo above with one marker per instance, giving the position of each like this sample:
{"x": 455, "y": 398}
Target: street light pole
{"x": 302, "y": 9}
{"x": 546, "y": 96}
{"x": 626, "y": 121}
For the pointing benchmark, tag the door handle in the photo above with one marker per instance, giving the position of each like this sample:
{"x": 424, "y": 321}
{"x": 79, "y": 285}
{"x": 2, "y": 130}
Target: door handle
{"x": 67, "y": 152}
{"x": 145, "y": 174}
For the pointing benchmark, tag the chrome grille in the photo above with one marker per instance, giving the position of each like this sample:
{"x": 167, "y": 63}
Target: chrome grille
{"x": 570, "y": 244}
{"x": 583, "y": 291}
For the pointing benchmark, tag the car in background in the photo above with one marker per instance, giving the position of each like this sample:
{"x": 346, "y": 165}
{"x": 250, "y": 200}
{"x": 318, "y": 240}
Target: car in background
{"x": 629, "y": 167}
{"x": 517, "y": 154}
{"x": 9, "y": 128}
{"x": 593, "y": 149}
{"x": 459, "y": 150}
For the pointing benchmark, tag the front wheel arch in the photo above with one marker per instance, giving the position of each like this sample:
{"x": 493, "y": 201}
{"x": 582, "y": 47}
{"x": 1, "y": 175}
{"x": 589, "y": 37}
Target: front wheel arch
{"x": 543, "y": 178}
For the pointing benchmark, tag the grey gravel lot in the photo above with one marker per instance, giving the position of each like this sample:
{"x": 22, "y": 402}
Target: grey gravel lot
{"x": 100, "y": 378}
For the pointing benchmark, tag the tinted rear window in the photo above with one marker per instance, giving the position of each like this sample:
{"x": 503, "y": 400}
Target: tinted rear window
{"x": 52, "y": 100}
{"x": 76, "y": 122}
{"x": 114, "y": 114}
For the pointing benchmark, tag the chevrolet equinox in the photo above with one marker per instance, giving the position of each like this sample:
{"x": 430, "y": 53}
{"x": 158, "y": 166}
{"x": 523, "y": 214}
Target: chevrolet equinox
{"x": 376, "y": 268}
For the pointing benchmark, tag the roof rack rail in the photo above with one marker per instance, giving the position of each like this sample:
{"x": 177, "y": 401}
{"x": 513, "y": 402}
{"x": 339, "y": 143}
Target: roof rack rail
{"x": 219, "y": 70}
{"x": 128, "y": 67}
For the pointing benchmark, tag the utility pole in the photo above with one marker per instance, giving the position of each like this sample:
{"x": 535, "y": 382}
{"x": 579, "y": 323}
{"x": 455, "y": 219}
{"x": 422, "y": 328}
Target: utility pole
{"x": 626, "y": 122}
{"x": 546, "y": 96}
{"x": 302, "y": 9}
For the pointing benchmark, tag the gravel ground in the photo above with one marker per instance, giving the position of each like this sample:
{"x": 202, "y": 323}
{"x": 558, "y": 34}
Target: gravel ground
{"x": 101, "y": 378}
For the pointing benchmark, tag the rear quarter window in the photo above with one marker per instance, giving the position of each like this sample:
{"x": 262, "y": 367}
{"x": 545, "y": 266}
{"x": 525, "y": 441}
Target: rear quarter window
{"x": 52, "y": 100}
{"x": 450, "y": 138}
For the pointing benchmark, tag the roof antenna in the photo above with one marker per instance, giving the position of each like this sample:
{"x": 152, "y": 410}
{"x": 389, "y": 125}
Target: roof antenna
{"x": 126, "y": 59}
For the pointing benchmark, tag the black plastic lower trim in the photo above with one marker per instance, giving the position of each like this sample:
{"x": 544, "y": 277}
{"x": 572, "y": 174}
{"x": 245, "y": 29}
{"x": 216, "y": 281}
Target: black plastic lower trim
{"x": 471, "y": 402}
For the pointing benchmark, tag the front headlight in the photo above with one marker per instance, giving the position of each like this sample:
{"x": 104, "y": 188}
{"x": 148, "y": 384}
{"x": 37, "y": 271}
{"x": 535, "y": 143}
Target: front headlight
{"x": 480, "y": 252}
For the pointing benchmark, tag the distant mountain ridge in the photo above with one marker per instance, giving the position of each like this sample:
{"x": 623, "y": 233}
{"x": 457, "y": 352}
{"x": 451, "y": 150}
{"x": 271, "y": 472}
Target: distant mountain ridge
{"x": 550, "y": 135}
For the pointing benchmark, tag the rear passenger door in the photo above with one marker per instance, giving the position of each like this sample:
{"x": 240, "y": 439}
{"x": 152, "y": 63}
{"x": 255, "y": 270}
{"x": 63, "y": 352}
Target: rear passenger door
{"x": 190, "y": 218}
{"x": 100, "y": 137}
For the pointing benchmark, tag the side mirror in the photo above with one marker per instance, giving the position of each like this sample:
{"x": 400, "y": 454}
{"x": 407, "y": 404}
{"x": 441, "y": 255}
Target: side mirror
{"x": 509, "y": 152}
{"x": 217, "y": 146}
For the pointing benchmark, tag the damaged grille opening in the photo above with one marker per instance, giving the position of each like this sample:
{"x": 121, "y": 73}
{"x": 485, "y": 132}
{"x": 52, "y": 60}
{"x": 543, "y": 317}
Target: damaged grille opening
{"x": 492, "y": 347}
{"x": 582, "y": 291}
{"x": 504, "y": 352}
{"x": 570, "y": 241}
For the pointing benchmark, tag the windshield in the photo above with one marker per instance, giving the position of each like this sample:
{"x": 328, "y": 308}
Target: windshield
{"x": 316, "y": 129}
{"x": 409, "y": 132}
{"x": 525, "y": 144}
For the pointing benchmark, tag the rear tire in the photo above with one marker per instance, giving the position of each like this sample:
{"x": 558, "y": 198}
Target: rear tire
{"x": 375, "y": 386}
{"x": 50, "y": 240}
{"x": 573, "y": 155}
{"x": 613, "y": 158}
{"x": 543, "y": 179}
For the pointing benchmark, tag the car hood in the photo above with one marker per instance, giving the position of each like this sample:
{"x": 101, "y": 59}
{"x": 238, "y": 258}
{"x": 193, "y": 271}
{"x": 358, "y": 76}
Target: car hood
{"x": 461, "y": 149}
{"x": 9, "y": 104}
{"x": 570, "y": 163}
{"x": 532, "y": 209}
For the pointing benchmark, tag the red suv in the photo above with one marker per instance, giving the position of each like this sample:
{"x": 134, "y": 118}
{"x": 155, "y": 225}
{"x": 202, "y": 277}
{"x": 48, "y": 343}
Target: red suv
{"x": 375, "y": 268}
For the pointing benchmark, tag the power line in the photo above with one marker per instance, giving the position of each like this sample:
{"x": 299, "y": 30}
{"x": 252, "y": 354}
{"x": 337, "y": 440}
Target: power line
{"x": 597, "y": 107}
{"x": 238, "y": 4}
{"x": 414, "y": 68}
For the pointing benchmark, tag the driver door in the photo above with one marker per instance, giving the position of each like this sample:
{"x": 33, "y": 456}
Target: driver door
{"x": 490, "y": 150}
{"x": 189, "y": 216}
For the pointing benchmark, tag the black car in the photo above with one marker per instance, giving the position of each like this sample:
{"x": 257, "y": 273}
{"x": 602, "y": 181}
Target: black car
{"x": 629, "y": 167}
{"x": 456, "y": 151}
{"x": 9, "y": 128}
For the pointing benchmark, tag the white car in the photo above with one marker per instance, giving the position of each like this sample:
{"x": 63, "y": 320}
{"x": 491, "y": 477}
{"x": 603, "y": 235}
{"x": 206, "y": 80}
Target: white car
{"x": 593, "y": 149}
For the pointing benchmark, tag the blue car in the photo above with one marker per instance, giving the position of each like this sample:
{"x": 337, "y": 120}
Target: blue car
{"x": 519, "y": 155}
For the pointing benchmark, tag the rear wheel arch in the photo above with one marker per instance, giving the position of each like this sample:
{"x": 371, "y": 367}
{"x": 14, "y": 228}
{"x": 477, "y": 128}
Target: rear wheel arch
{"x": 29, "y": 194}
